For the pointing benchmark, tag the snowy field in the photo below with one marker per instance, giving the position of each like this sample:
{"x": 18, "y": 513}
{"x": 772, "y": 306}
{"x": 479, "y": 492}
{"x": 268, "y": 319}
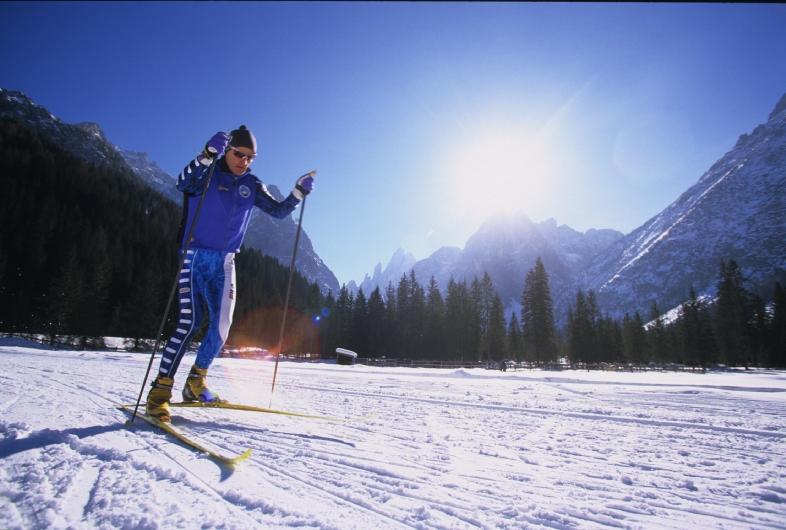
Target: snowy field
{"x": 418, "y": 448}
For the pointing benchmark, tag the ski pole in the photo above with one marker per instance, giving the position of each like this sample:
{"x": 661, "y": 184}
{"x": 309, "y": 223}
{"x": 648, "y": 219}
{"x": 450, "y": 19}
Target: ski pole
{"x": 289, "y": 288}
{"x": 174, "y": 285}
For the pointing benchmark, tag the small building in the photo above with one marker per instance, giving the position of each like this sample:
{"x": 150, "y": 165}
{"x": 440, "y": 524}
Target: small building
{"x": 344, "y": 356}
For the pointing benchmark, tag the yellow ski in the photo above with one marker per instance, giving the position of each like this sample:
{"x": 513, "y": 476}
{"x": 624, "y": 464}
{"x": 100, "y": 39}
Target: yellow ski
{"x": 166, "y": 427}
{"x": 250, "y": 408}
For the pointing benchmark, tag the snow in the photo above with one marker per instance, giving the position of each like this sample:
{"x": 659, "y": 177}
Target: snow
{"x": 653, "y": 238}
{"x": 417, "y": 448}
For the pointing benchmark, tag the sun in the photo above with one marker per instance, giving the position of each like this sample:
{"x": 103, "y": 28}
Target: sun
{"x": 499, "y": 170}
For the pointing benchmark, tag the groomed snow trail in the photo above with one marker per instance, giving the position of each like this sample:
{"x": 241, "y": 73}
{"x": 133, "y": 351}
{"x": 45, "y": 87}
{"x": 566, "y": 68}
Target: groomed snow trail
{"x": 420, "y": 448}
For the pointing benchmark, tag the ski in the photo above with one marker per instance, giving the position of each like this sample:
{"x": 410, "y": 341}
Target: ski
{"x": 249, "y": 408}
{"x": 169, "y": 429}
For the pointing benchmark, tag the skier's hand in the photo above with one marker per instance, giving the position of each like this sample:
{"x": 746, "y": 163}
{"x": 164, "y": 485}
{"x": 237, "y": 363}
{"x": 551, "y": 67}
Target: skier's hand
{"x": 304, "y": 185}
{"x": 217, "y": 144}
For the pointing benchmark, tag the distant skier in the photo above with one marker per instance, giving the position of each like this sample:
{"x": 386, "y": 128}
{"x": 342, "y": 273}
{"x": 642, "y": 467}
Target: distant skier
{"x": 208, "y": 273}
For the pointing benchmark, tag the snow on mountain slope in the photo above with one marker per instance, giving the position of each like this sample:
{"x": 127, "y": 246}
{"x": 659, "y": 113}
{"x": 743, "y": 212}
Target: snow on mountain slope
{"x": 737, "y": 210}
{"x": 419, "y": 448}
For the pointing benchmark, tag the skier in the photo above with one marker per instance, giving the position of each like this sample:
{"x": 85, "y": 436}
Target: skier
{"x": 208, "y": 273}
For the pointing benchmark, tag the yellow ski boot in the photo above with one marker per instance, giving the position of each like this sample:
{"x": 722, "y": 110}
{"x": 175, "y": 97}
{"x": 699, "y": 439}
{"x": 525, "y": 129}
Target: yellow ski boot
{"x": 158, "y": 399}
{"x": 196, "y": 389}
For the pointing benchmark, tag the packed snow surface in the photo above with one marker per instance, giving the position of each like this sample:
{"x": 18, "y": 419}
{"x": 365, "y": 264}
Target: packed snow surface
{"x": 416, "y": 448}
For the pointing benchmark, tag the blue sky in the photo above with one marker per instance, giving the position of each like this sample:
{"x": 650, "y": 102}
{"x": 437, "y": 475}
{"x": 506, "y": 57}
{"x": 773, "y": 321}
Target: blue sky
{"x": 423, "y": 119}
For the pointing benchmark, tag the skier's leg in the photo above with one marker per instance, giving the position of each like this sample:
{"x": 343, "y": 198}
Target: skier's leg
{"x": 191, "y": 290}
{"x": 220, "y": 300}
{"x": 189, "y": 317}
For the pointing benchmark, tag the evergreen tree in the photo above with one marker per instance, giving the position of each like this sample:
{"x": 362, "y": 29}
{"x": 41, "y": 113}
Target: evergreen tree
{"x": 581, "y": 329}
{"x": 435, "y": 322}
{"x": 417, "y": 317}
{"x": 330, "y": 327}
{"x": 515, "y": 343}
{"x": 497, "y": 342}
{"x": 377, "y": 324}
{"x": 537, "y": 316}
{"x": 477, "y": 322}
{"x": 457, "y": 321}
{"x": 609, "y": 340}
{"x": 697, "y": 337}
{"x": 778, "y": 328}
{"x": 359, "y": 341}
{"x": 66, "y": 296}
{"x": 634, "y": 338}
{"x": 404, "y": 318}
{"x": 343, "y": 317}
{"x": 391, "y": 332}
{"x": 657, "y": 345}
{"x": 732, "y": 315}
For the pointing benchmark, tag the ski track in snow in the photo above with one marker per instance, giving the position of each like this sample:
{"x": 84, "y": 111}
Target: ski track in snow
{"x": 420, "y": 448}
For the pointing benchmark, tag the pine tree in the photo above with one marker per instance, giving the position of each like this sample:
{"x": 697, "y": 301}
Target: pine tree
{"x": 435, "y": 322}
{"x": 477, "y": 322}
{"x": 634, "y": 338}
{"x": 497, "y": 342}
{"x": 457, "y": 322}
{"x": 403, "y": 317}
{"x": 697, "y": 337}
{"x": 359, "y": 342}
{"x": 417, "y": 316}
{"x": 778, "y": 328}
{"x": 330, "y": 326}
{"x": 609, "y": 340}
{"x": 732, "y": 315}
{"x": 515, "y": 344}
{"x": 537, "y": 317}
{"x": 343, "y": 317}
{"x": 656, "y": 336}
{"x": 582, "y": 340}
{"x": 376, "y": 324}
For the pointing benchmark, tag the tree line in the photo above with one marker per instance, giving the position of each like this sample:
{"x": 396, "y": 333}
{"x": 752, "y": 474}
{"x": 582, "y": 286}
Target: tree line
{"x": 469, "y": 325}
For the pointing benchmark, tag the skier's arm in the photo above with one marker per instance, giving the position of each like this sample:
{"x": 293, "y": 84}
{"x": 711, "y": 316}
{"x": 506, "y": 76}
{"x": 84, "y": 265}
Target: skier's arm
{"x": 191, "y": 179}
{"x": 271, "y": 206}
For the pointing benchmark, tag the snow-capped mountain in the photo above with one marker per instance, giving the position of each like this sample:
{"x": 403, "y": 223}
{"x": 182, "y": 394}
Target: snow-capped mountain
{"x": 737, "y": 210}
{"x": 88, "y": 142}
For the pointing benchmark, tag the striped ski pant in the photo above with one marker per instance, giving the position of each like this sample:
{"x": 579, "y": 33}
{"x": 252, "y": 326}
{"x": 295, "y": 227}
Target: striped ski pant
{"x": 206, "y": 285}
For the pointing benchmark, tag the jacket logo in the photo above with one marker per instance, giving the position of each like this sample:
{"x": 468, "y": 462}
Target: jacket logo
{"x": 244, "y": 191}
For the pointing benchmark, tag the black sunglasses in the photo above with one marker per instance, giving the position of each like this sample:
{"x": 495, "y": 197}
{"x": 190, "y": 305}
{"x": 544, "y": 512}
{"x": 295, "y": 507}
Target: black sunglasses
{"x": 240, "y": 154}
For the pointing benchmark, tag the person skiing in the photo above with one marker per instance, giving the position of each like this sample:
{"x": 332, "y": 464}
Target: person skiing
{"x": 208, "y": 273}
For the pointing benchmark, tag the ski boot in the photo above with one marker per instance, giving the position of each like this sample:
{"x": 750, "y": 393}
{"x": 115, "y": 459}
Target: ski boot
{"x": 196, "y": 389}
{"x": 158, "y": 399}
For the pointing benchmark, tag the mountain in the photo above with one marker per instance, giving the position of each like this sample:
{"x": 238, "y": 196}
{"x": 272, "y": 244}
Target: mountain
{"x": 737, "y": 210}
{"x": 88, "y": 142}
{"x": 507, "y": 247}
{"x": 152, "y": 174}
{"x": 400, "y": 263}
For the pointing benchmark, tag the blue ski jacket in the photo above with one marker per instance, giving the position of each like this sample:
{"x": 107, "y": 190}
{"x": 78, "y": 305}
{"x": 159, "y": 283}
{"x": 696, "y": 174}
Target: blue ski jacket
{"x": 226, "y": 210}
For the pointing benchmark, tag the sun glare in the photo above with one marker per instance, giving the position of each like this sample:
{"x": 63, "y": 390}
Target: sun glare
{"x": 500, "y": 171}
